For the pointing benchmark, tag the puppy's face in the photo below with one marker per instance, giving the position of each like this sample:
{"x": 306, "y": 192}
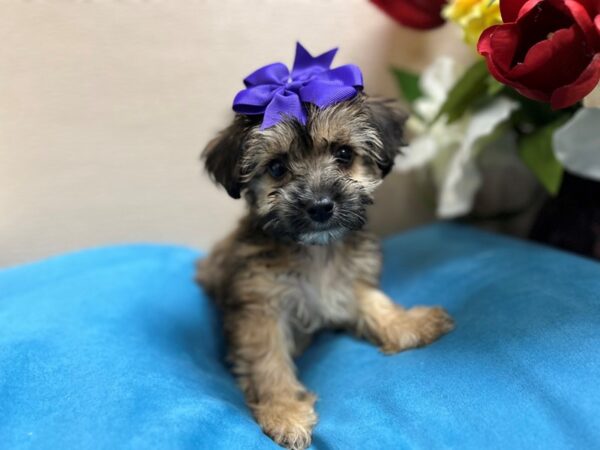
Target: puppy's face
{"x": 309, "y": 183}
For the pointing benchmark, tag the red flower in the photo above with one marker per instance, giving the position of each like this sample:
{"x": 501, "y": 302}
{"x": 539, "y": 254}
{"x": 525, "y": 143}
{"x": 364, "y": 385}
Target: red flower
{"x": 420, "y": 14}
{"x": 548, "y": 50}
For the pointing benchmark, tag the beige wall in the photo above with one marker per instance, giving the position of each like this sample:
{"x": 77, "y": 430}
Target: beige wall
{"x": 105, "y": 105}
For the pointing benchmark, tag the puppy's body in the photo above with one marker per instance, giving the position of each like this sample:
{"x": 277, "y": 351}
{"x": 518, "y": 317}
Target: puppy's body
{"x": 299, "y": 260}
{"x": 309, "y": 287}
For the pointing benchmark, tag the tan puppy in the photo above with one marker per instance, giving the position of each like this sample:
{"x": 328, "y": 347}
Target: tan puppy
{"x": 299, "y": 260}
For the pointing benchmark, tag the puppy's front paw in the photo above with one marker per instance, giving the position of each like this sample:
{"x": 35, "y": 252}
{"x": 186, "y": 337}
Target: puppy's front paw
{"x": 415, "y": 327}
{"x": 289, "y": 422}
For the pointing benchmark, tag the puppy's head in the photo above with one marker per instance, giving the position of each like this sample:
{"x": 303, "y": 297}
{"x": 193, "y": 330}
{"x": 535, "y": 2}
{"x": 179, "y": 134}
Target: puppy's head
{"x": 309, "y": 183}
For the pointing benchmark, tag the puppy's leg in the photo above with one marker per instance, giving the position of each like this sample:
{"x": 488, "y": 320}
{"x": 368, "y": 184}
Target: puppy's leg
{"x": 261, "y": 360}
{"x": 394, "y": 328}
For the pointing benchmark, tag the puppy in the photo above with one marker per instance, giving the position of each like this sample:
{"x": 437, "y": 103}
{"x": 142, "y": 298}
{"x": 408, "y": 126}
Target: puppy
{"x": 299, "y": 261}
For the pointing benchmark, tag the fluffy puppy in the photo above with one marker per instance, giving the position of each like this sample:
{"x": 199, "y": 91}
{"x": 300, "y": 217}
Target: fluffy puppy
{"x": 299, "y": 260}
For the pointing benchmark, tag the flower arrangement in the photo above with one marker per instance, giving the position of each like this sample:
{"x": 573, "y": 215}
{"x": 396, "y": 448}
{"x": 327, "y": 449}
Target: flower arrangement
{"x": 531, "y": 92}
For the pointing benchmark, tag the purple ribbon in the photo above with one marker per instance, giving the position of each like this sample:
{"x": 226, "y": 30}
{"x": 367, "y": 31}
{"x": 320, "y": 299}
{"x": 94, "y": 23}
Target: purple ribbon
{"x": 274, "y": 92}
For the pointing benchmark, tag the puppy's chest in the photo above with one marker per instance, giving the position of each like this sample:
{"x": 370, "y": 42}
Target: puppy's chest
{"x": 319, "y": 291}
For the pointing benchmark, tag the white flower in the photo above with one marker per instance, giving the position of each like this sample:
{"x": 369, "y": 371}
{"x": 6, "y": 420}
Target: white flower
{"x": 577, "y": 143}
{"x": 593, "y": 99}
{"x": 435, "y": 83}
{"x": 450, "y": 150}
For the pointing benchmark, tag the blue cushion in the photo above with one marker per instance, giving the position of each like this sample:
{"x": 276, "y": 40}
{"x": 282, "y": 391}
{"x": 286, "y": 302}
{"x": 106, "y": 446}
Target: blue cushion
{"x": 117, "y": 348}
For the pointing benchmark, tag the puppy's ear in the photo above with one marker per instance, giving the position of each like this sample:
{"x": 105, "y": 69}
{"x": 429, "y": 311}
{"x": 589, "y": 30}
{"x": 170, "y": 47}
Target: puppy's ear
{"x": 388, "y": 118}
{"x": 222, "y": 157}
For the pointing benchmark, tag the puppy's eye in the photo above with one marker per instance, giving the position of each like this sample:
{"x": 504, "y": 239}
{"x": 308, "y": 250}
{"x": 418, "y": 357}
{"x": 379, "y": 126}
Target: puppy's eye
{"x": 343, "y": 155}
{"x": 277, "y": 168}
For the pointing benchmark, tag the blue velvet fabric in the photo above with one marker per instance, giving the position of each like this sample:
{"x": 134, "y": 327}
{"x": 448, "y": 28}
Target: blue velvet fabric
{"x": 117, "y": 348}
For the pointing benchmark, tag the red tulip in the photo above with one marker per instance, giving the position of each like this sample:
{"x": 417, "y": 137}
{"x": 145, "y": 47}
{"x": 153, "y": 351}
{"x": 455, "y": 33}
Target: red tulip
{"x": 548, "y": 50}
{"x": 419, "y": 14}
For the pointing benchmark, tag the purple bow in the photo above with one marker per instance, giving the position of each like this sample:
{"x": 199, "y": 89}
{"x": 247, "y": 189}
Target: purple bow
{"x": 272, "y": 91}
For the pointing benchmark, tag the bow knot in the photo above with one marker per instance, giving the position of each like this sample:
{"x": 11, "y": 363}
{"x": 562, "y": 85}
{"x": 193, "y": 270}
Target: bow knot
{"x": 275, "y": 92}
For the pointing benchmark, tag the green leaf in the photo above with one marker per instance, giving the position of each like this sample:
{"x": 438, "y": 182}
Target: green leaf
{"x": 467, "y": 90}
{"x": 534, "y": 114}
{"x": 537, "y": 153}
{"x": 494, "y": 87}
{"x": 408, "y": 83}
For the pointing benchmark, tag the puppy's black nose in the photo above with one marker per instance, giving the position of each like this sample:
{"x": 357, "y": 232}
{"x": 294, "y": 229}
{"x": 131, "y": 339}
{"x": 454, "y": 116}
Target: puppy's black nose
{"x": 321, "y": 210}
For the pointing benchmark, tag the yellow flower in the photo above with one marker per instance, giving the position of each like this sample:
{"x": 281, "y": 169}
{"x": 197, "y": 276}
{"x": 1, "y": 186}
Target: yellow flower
{"x": 473, "y": 16}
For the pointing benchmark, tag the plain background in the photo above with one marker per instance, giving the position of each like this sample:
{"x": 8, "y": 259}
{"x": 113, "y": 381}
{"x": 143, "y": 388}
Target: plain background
{"x": 106, "y": 105}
